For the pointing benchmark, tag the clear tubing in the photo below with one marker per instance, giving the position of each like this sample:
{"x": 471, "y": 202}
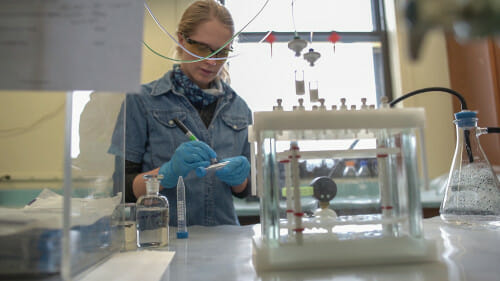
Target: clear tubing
{"x": 412, "y": 173}
{"x": 293, "y": 20}
{"x": 289, "y": 196}
{"x": 296, "y": 192}
{"x": 202, "y": 171}
{"x": 176, "y": 42}
{"x": 423, "y": 162}
{"x": 265, "y": 36}
{"x": 209, "y": 57}
{"x": 253, "y": 173}
{"x": 384, "y": 186}
{"x": 181, "y": 210}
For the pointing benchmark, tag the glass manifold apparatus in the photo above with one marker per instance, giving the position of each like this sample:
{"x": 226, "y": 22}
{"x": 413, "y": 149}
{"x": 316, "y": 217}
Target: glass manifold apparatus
{"x": 370, "y": 215}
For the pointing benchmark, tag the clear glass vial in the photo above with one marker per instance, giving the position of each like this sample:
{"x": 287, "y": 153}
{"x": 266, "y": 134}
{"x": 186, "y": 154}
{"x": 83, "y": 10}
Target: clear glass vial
{"x": 350, "y": 169}
{"x": 364, "y": 170}
{"x": 152, "y": 215}
{"x": 300, "y": 88}
{"x": 473, "y": 191}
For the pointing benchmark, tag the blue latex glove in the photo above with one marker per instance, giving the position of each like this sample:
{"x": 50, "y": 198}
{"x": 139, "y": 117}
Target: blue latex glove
{"x": 188, "y": 156}
{"x": 235, "y": 172}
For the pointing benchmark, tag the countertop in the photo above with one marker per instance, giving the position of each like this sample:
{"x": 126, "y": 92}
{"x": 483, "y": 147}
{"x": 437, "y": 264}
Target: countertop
{"x": 225, "y": 253}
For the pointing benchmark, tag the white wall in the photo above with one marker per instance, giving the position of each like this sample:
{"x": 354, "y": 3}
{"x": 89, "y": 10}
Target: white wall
{"x": 32, "y": 123}
{"x": 31, "y": 134}
{"x": 38, "y": 152}
{"x": 431, "y": 69}
{"x": 168, "y": 14}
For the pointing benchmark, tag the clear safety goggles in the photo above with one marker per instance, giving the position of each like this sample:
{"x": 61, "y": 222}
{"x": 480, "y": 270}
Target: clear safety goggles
{"x": 203, "y": 50}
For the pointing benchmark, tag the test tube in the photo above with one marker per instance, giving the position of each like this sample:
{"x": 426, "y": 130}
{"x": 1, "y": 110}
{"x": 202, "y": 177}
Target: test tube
{"x": 181, "y": 210}
{"x": 313, "y": 91}
{"x": 299, "y": 82}
{"x": 202, "y": 171}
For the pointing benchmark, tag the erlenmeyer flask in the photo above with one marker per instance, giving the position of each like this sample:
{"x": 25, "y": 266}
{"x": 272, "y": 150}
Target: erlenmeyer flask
{"x": 473, "y": 190}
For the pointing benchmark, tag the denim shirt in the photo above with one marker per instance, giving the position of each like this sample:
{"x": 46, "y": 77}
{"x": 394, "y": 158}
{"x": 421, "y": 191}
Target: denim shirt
{"x": 151, "y": 138}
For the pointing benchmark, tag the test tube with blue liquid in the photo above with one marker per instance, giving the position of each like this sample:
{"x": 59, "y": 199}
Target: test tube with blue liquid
{"x": 181, "y": 210}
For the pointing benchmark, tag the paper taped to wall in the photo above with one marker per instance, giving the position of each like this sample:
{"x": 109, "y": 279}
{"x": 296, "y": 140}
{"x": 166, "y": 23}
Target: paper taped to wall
{"x": 71, "y": 45}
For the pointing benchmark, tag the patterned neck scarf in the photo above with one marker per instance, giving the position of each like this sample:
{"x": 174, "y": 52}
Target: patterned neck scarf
{"x": 198, "y": 97}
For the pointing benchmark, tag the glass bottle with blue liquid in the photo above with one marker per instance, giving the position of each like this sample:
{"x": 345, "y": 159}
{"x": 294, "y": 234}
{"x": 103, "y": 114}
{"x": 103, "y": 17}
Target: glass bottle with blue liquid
{"x": 152, "y": 215}
{"x": 364, "y": 170}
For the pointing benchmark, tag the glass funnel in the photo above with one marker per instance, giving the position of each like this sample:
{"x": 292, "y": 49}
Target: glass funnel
{"x": 473, "y": 191}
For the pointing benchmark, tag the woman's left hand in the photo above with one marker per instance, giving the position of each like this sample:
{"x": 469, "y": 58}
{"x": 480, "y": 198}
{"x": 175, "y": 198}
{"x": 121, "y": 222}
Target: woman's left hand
{"x": 235, "y": 172}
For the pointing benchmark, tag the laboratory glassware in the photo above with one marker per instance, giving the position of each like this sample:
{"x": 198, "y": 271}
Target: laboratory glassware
{"x": 389, "y": 223}
{"x": 312, "y": 56}
{"x": 297, "y": 45}
{"x": 152, "y": 215}
{"x": 181, "y": 209}
{"x": 472, "y": 191}
{"x": 300, "y": 88}
{"x": 313, "y": 91}
{"x": 202, "y": 171}
{"x": 125, "y": 214}
{"x": 350, "y": 169}
{"x": 364, "y": 170}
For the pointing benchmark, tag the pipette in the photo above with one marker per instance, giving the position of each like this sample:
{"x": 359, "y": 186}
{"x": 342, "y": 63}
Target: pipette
{"x": 189, "y": 134}
{"x": 202, "y": 171}
{"x": 184, "y": 129}
{"x": 181, "y": 210}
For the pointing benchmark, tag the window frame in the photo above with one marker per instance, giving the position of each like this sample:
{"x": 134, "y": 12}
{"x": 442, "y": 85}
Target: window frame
{"x": 382, "y": 71}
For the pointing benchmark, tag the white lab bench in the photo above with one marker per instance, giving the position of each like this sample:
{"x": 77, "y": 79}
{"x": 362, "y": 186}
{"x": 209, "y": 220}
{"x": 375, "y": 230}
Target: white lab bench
{"x": 225, "y": 253}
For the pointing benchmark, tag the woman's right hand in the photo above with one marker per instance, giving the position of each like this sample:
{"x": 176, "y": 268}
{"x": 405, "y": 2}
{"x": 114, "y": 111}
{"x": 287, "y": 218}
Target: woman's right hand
{"x": 188, "y": 156}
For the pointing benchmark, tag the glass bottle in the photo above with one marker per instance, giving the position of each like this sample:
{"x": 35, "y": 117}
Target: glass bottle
{"x": 349, "y": 170}
{"x": 364, "y": 170}
{"x": 152, "y": 215}
{"x": 473, "y": 191}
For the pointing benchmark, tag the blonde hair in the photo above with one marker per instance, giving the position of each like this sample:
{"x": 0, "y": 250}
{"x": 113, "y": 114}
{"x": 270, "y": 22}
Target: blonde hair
{"x": 200, "y": 12}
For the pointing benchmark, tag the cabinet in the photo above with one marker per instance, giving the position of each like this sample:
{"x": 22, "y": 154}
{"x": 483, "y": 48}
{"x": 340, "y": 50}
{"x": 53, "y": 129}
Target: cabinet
{"x": 475, "y": 73}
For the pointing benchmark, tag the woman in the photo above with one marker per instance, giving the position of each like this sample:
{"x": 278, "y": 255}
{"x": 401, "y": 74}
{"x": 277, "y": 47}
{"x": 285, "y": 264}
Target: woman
{"x": 195, "y": 94}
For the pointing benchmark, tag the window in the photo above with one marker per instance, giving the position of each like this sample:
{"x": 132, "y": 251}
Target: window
{"x": 355, "y": 67}
{"x": 80, "y": 99}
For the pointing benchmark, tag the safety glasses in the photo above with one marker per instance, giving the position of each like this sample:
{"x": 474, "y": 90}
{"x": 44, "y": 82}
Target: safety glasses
{"x": 203, "y": 50}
